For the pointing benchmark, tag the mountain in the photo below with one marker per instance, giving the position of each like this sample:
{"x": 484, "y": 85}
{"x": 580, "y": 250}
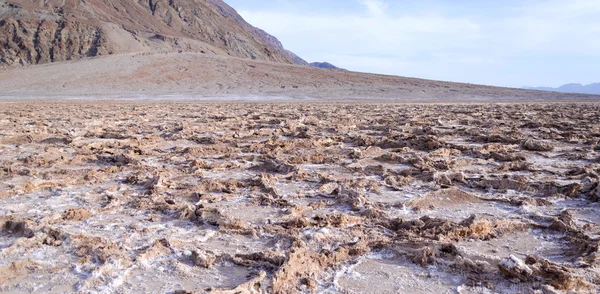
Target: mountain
{"x": 326, "y": 65}
{"x": 571, "y": 88}
{"x": 35, "y": 31}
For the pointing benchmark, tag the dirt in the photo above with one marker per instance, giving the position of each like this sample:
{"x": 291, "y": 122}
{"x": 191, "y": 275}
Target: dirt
{"x": 195, "y": 76}
{"x": 299, "y": 197}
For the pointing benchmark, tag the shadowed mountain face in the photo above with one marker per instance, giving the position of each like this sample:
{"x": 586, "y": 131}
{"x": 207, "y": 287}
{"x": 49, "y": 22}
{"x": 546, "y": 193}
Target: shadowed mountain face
{"x": 572, "y": 88}
{"x": 33, "y": 32}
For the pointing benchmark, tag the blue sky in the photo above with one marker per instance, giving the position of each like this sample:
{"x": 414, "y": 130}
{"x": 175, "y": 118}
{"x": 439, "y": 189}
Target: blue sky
{"x": 495, "y": 42}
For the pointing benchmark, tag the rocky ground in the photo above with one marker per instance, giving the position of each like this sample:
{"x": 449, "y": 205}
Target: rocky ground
{"x": 299, "y": 197}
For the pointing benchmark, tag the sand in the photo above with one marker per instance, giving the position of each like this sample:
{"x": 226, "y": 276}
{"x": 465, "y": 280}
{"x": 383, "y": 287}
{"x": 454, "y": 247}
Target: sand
{"x": 196, "y": 76}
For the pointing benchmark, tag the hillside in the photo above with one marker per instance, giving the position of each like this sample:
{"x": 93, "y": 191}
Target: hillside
{"x": 195, "y": 75}
{"x": 36, "y": 32}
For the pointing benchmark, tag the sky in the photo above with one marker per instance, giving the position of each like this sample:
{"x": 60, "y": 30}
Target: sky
{"x": 510, "y": 43}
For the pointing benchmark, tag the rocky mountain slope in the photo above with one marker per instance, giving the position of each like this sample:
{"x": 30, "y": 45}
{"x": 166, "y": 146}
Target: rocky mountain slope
{"x": 35, "y": 32}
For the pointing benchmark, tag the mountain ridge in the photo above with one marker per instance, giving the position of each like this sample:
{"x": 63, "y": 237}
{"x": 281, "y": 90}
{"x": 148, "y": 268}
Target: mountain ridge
{"x": 325, "y": 65}
{"x": 36, "y": 32}
{"x": 593, "y": 88}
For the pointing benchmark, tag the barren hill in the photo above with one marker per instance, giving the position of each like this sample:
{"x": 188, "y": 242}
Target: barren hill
{"x": 33, "y": 32}
{"x": 194, "y": 75}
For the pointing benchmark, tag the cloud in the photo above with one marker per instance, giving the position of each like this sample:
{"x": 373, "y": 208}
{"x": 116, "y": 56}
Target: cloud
{"x": 375, "y": 7}
{"x": 514, "y": 43}
{"x": 362, "y": 35}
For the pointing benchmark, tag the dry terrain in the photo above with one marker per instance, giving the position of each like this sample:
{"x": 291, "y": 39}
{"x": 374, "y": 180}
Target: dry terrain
{"x": 192, "y": 76}
{"x": 313, "y": 181}
{"x": 319, "y": 197}
{"x": 39, "y": 32}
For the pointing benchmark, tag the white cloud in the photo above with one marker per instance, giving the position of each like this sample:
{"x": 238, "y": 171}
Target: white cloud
{"x": 526, "y": 43}
{"x": 375, "y": 7}
{"x": 362, "y": 35}
{"x": 551, "y": 27}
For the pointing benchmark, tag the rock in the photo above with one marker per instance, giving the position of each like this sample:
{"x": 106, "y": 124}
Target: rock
{"x": 448, "y": 179}
{"x": 537, "y": 145}
{"x": 188, "y": 212}
{"x": 254, "y": 286}
{"x": 203, "y": 259}
{"x": 509, "y": 182}
{"x": 269, "y": 183}
{"x": 17, "y": 269}
{"x": 5, "y": 194}
{"x": 159, "y": 248}
{"x": 329, "y": 188}
{"x": 18, "y": 228}
{"x": 444, "y": 198}
{"x": 303, "y": 263}
{"x": 53, "y": 237}
{"x": 442, "y": 180}
{"x": 558, "y": 276}
{"x": 515, "y": 268}
{"x": 154, "y": 185}
{"x": 56, "y": 40}
{"x": 216, "y": 217}
{"x": 77, "y": 214}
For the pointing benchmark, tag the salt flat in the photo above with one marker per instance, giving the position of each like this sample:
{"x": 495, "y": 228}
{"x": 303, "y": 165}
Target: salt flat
{"x": 281, "y": 197}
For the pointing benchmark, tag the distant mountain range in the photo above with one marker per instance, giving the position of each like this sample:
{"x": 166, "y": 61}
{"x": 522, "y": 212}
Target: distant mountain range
{"x": 325, "y": 65}
{"x": 571, "y": 88}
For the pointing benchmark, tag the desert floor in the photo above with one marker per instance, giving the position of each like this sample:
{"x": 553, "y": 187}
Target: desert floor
{"x": 284, "y": 197}
{"x": 194, "y": 76}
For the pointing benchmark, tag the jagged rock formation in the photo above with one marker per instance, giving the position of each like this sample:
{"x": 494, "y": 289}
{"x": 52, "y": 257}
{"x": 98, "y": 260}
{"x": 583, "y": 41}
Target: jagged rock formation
{"x": 33, "y": 32}
{"x": 298, "y": 197}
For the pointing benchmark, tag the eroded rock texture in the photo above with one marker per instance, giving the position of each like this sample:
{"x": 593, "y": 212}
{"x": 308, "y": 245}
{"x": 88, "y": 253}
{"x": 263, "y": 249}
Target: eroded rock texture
{"x": 31, "y": 41}
{"x": 33, "y": 32}
{"x": 299, "y": 197}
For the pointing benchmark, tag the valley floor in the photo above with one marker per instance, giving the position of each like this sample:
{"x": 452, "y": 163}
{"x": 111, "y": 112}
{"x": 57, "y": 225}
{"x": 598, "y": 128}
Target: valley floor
{"x": 284, "y": 197}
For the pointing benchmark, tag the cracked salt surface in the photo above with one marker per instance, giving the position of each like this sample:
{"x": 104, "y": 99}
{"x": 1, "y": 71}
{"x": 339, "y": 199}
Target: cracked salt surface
{"x": 422, "y": 199}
